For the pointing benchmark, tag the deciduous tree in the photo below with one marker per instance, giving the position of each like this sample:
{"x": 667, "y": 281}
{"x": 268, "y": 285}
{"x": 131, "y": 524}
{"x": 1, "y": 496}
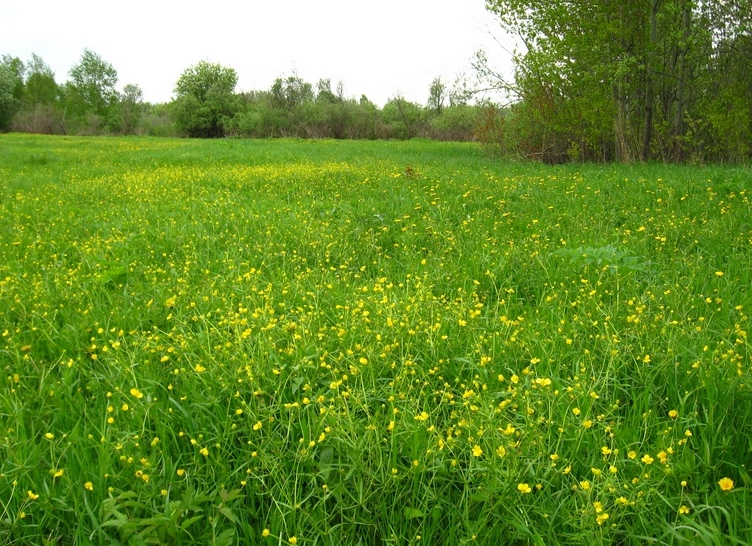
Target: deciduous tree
{"x": 205, "y": 100}
{"x": 91, "y": 87}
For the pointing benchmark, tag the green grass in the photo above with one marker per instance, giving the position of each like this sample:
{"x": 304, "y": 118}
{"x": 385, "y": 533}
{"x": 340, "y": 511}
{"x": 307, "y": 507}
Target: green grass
{"x": 208, "y": 342}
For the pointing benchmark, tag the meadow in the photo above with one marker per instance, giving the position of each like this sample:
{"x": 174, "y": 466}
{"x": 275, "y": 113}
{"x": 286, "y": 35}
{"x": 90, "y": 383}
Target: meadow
{"x": 326, "y": 342}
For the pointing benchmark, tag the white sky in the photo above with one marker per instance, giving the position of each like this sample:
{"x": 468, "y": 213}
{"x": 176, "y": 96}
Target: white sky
{"x": 378, "y": 48}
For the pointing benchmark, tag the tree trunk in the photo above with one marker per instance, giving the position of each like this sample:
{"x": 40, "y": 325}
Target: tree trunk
{"x": 621, "y": 145}
{"x": 678, "y": 131}
{"x": 647, "y": 132}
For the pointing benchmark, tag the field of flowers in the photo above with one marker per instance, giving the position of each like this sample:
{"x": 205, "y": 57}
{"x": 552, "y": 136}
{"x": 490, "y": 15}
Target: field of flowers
{"x": 312, "y": 342}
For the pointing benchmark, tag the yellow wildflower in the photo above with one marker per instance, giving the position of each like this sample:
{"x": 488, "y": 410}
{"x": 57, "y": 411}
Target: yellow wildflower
{"x": 727, "y": 484}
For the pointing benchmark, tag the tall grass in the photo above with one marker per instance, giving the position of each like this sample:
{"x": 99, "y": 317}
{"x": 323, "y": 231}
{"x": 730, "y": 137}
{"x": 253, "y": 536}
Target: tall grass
{"x": 291, "y": 342}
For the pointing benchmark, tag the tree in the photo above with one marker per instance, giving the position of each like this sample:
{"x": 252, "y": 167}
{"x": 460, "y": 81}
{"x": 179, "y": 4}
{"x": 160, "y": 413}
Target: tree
{"x": 437, "y": 95}
{"x": 41, "y": 87}
{"x": 40, "y": 110}
{"x": 630, "y": 80}
{"x": 402, "y": 119}
{"x": 205, "y": 100}
{"x": 293, "y": 96}
{"x": 131, "y": 108}
{"x": 91, "y": 88}
{"x": 10, "y": 80}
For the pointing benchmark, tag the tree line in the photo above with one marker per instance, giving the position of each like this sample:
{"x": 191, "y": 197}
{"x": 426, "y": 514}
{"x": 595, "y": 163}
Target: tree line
{"x": 206, "y": 104}
{"x": 595, "y": 80}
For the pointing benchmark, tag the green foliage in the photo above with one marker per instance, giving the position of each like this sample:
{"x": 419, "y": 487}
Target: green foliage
{"x": 456, "y": 123}
{"x": 629, "y": 81}
{"x": 606, "y": 258}
{"x": 131, "y": 109}
{"x": 90, "y": 93}
{"x": 40, "y": 85}
{"x": 205, "y": 100}
{"x": 437, "y": 95}
{"x": 10, "y": 80}
{"x": 402, "y": 119}
{"x": 206, "y": 105}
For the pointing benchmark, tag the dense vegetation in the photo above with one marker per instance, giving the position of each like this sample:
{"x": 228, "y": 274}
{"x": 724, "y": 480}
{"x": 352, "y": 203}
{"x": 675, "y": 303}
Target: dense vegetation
{"x": 639, "y": 80}
{"x": 207, "y": 104}
{"x": 667, "y": 80}
{"x": 332, "y": 342}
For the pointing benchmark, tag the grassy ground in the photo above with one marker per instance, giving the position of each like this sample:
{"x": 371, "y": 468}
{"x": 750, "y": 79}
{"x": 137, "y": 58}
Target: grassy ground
{"x": 307, "y": 342}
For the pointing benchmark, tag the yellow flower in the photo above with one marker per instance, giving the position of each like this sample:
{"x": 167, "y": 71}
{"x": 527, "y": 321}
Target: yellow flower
{"x": 477, "y": 451}
{"x": 601, "y": 518}
{"x": 258, "y": 425}
{"x": 585, "y": 484}
{"x": 89, "y": 486}
{"x": 524, "y": 488}
{"x": 57, "y": 473}
{"x": 180, "y": 472}
{"x": 49, "y": 436}
{"x": 501, "y": 451}
{"x": 265, "y": 533}
{"x": 136, "y": 393}
{"x": 684, "y": 509}
{"x": 32, "y": 495}
{"x": 727, "y": 484}
{"x": 673, "y": 414}
{"x": 647, "y": 459}
{"x": 293, "y": 540}
{"x": 204, "y": 452}
{"x": 422, "y": 417}
{"x": 632, "y": 454}
{"x": 598, "y": 507}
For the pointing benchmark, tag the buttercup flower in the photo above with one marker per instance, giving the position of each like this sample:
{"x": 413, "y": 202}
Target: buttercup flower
{"x": 726, "y": 484}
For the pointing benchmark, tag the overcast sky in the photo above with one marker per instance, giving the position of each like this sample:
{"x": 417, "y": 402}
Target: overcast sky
{"x": 379, "y": 48}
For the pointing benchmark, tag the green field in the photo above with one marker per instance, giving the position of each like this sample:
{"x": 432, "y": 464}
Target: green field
{"x": 325, "y": 342}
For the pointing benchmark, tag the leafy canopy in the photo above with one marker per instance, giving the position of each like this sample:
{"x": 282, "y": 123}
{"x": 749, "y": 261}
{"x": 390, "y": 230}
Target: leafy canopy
{"x": 205, "y": 99}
